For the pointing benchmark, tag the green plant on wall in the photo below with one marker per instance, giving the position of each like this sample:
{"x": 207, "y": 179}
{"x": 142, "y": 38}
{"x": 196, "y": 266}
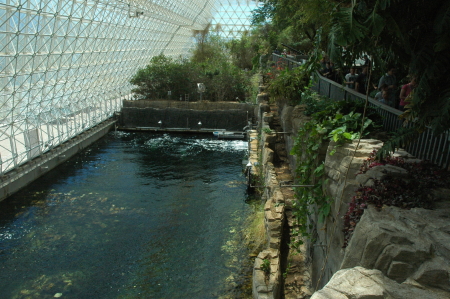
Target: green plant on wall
{"x": 309, "y": 172}
{"x": 286, "y": 84}
{"x": 267, "y": 130}
{"x": 289, "y": 84}
{"x": 265, "y": 266}
{"x": 334, "y": 121}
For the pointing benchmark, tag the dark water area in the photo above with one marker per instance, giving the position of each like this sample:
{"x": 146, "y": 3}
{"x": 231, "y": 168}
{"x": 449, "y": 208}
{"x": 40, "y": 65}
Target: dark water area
{"x": 135, "y": 215}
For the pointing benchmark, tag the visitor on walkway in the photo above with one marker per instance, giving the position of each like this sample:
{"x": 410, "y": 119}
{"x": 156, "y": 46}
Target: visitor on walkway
{"x": 379, "y": 95}
{"x": 385, "y": 96}
{"x": 366, "y": 61}
{"x": 391, "y": 81}
{"x": 406, "y": 91}
{"x": 350, "y": 78}
{"x": 327, "y": 71}
{"x": 361, "y": 81}
{"x": 323, "y": 62}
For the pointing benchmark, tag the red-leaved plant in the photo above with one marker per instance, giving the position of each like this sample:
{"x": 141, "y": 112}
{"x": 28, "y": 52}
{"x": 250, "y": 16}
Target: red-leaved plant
{"x": 410, "y": 191}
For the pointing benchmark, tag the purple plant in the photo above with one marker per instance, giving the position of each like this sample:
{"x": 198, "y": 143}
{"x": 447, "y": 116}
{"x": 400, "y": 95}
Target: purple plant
{"x": 404, "y": 192}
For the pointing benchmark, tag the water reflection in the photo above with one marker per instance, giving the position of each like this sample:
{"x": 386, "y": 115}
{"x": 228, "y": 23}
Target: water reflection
{"x": 134, "y": 216}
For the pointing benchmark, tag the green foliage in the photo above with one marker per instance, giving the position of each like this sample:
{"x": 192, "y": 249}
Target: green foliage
{"x": 400, "y": 138}
{"x": 264, "y": 13}
{"x": 265, "y": 266}
{"x": 334, "y": 121}
{"x": 294, "y": 22}
{"x": 285, "y": 273}
{"x": 413, "y": 35}
{"x": 255, "y": 230}
{"x": 210, "y": 64}
{"x": 288, "y": 84}
{"x": 267, "y": 130}
{"x": 253, "y": 88}
{"x": 314, "y": 102}
{"x": 225, "y": 82}
{"x": 242, "y": 51}
{"x": 165, "y": 74}
{"x": 209, "y": 47}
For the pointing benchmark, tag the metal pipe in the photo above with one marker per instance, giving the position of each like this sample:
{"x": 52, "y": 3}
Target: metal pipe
{"x": 283, "y": 186}
{"x": 297, "y": 185}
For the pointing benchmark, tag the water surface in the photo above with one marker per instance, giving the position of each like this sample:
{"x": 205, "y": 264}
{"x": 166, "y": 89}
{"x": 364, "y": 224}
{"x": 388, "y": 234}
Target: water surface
{"x": 136, "y": 215}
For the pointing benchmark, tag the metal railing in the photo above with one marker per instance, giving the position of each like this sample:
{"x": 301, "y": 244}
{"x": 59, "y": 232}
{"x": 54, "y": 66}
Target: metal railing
{"x": 427, "y": 147}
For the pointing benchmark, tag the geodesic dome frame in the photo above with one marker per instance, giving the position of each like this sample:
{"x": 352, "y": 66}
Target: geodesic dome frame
{"x": 65, "y": 65}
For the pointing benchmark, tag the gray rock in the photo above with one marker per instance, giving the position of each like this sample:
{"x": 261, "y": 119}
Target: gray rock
{"x": 403, "y": 244}
{"x": 434, "y": 273}
{"x": 402, "y": 153}
{"x": 382, "y": 171}
{"x": 361, "y": 283}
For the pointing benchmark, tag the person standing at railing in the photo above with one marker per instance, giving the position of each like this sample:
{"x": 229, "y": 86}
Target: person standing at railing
{"x": 323, "y": 62}
{"x": 379, "y": 96}
{"x": 327, "y": 71}
{"x": 385, "y": 96}
{"x": 350, "y": 78}
{"x": 366, "y": 61}
{"x": 406, "y": 90}
{"x": 391, "y": 81}
{"x": 361, "y": 81}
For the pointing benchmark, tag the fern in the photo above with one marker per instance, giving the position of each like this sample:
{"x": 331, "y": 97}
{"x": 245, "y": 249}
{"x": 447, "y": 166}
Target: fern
{"x": 400, "y": 139}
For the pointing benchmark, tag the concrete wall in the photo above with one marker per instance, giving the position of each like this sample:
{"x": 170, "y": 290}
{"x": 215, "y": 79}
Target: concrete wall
{"x": 231, "y": 120}
{"x": 20, "y": 177}
{"x": 231, "y": 116}
{"x": 204, "y": 105}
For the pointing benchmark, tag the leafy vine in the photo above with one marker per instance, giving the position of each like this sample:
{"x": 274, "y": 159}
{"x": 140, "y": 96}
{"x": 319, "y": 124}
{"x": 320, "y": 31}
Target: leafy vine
{"x": 330, "y": 121}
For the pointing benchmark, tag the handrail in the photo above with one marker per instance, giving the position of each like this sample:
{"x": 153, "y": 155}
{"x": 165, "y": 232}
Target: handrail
{"x": 427, "y": 147}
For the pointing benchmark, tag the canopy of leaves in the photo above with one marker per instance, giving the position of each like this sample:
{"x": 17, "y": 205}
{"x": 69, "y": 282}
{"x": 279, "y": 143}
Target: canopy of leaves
{"x": 295, "y": 22}
{"x": 242, "y": 51}
{"x": 165, "y": 74}
{"x": 413, "y": 34}
{"x": 211, "y": 63}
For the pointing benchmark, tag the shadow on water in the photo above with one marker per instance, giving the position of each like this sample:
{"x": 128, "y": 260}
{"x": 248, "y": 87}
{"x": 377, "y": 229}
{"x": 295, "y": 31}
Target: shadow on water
{"x": 133, "y": 216}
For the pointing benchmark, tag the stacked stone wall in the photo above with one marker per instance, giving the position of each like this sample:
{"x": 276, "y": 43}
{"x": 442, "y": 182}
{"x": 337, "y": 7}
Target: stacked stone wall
{"x": 393, "y": 253}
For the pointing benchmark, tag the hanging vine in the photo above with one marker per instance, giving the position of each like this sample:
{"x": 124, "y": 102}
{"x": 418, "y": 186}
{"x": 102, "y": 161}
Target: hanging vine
{"x": 339, "y": 122}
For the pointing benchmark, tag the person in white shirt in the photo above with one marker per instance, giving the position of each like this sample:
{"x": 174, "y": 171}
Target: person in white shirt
{"x": 350, "y": 78}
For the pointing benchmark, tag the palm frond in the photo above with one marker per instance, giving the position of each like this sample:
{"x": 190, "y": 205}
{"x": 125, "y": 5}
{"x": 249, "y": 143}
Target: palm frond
{"x": 376, "y": 23}
{"x": 400, "y": 139}
{"x": 442, "y": 21}
{"x": 347, "y": 30}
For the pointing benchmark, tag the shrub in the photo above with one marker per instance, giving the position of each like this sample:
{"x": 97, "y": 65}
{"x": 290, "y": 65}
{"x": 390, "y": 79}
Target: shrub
{"x": 408, "y": 192}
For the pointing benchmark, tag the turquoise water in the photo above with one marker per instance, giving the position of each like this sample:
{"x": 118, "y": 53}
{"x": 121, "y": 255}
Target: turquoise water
{"x": 134, "y": 216}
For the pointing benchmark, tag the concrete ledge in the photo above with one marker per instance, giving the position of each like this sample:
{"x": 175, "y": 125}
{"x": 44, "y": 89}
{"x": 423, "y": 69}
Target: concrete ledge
{"x": 20, "y": 177}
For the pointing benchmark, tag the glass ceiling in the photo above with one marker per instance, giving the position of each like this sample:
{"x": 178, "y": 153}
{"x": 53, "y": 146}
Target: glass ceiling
{"x": 65, "y": 64}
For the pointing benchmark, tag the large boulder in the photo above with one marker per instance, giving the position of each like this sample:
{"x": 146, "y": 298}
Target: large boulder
{"x": 404, "y": 245}
{"x": 361, "y": 283}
